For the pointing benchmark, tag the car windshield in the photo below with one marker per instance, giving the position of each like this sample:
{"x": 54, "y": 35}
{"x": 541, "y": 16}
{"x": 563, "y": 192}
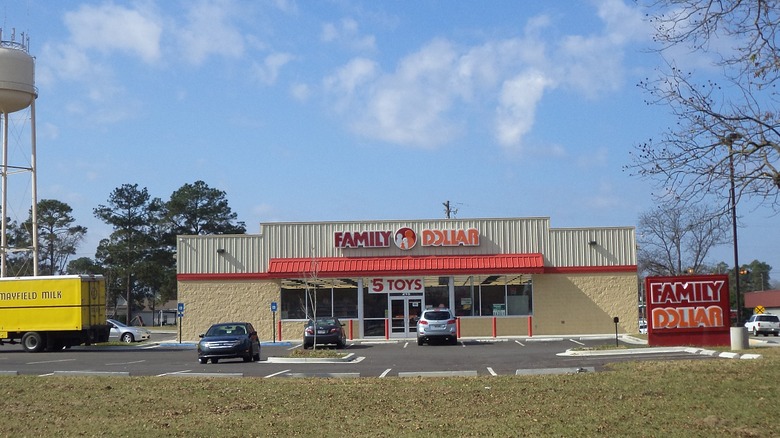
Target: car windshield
{"x": 437, "y": 315}
{"x": 116, "y": 323}
{"x": 226, "y": 330}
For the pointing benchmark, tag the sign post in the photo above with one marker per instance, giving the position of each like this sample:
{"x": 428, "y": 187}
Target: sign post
{"x": 616, "y": 320}
{"x": 273, "y": 319}
{"x": 180, "y": 315}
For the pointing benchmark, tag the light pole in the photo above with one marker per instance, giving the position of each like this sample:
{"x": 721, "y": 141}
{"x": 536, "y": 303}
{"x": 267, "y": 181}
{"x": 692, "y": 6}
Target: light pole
{"x": 733, "y": 199}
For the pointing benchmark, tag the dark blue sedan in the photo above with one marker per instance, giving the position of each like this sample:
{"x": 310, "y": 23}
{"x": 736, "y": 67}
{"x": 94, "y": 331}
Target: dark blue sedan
{"x": 229, "y": 340}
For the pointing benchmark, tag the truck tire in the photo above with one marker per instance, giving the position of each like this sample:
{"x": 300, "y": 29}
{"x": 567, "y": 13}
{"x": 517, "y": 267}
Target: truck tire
{"x": 32, "y": 342}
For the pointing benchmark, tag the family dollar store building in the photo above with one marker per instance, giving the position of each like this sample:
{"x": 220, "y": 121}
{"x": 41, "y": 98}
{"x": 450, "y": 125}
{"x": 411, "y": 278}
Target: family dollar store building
{"x": 501, "y": 277}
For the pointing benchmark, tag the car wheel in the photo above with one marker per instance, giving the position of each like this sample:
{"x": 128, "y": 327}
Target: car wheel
{"x": 256, "y": 357}
{"x": 202, "y": 360}
{"x": 454, "y": 341}
{"x": 214, "y": 360}
{"x": 127, "y": 338}
{"x": 341, "y": 344}
{"x": 419, "y": 341}
{"x": 307, "y": 346}
{"x": 755, "y": 332}
{"x": 248, "y": 357}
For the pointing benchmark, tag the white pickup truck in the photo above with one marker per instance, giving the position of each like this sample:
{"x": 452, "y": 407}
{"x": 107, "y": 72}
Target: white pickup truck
{"x": 763, "y": 324}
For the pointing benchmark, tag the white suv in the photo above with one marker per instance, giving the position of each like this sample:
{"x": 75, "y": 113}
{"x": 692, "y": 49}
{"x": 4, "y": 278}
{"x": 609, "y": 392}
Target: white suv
{"x": 763, "y": 324}
{"x": 437, "y": 324}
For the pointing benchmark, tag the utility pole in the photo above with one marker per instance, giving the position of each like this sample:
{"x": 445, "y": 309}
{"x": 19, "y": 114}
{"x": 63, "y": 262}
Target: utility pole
{"x": 448, "y": 210}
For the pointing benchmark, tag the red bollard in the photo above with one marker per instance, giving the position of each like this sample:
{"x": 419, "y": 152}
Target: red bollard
{"x": 494, "y": 327}
{"x": 387, "y": 329}
{"x": 350, "y": 330}
{"x": 530, "y": 326}
{"x": 279, "y": 330}
{"x": 457, "y": 327}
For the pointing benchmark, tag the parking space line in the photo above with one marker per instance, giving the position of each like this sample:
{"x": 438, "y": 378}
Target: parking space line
{"x": 175, "y": 372}
{"x": 126, "y": 363}
{"x": 385, "y": 373}
{"x": 520, "y": 343}
{"x": 92, "y": 373}
{"x": 276, "y": 374}
{"x": 576, "y": 342}
{"x": 406, "y": 344}
{"x": 492, "y": 373}
{"x": 216, "y": 375}
{"x": 294, "y": 347}
{"x": 438, "y": 374}
{"x": 50, "y": 361}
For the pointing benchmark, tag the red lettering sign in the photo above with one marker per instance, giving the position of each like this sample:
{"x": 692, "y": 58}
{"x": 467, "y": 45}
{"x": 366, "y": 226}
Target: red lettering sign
{"x": 688, "y": 310}
{"x": 396, "y": 285}
{"x": 468, "y": 237}
{"x": 362, "y": 239}
{"x": 405, "y": 238}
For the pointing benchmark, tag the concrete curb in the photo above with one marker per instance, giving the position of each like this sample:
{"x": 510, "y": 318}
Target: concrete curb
{"x": 660, "y": 350}
{"x": 347, "y": 358}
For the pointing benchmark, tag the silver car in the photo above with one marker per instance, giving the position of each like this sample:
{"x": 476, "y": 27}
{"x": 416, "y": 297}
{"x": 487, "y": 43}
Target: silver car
{"x": 126, "y": 333}
{"x": 437, "y": 324}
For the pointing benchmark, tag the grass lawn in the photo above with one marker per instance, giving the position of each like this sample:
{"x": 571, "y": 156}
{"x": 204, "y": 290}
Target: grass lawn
{"x": 687, "y": 398}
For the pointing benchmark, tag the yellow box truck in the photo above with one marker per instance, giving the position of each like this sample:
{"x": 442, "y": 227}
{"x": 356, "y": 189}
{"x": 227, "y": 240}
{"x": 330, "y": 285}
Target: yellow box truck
{"x": 53, "y": 312}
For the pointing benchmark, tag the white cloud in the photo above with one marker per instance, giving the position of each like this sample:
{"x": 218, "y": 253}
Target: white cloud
{"x": 623, "y": 23}
{"x": 209, "y": 31}
{"x": 408, "y": 106}
{"x": 517, "y": 106}
{"x": 593, "y": 64}
{"x": 268, "y": 71}
{"x": 345, "y": 82}
{"x": 346, "y": 32}
{"x": 300, "y": 92}
{"x": 417, "y": 103}
{"x": 109, "y": 27}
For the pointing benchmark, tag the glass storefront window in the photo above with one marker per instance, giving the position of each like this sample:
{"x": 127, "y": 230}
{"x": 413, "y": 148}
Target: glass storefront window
{"x": 374, "y": 305}
{"x": 345, "y": 303}
{"x": 374, "y": 313}
{"x": 518, "y": 299}
{"x": 502, "y": 295}
{"x": 340, "y": 302}
{"x": 492, "y": 302}
{"x": 293, "y": 304}
{"x": 493, "y": 295}
{"x": 464, "y": 301}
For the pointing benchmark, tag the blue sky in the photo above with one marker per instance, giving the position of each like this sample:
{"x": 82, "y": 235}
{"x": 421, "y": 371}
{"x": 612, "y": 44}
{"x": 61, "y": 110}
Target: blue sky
{"x": 351, "y": 110}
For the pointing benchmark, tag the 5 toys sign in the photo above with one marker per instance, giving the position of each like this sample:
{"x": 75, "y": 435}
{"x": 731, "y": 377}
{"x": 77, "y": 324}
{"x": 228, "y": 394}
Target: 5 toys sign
{"x": 688, "y": 310}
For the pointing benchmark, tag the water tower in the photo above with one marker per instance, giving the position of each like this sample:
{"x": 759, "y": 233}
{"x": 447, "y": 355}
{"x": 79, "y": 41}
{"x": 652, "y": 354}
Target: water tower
{"x": 17, "y": 92}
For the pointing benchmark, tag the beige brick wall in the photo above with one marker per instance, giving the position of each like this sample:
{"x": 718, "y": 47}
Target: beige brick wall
{"x": 584, "y": 303}
{"x": 563, "y": 305}
{"x": 209, "y": 302}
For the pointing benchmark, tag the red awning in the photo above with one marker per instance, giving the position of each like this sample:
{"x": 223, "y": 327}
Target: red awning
{"x": 402, "y": 266}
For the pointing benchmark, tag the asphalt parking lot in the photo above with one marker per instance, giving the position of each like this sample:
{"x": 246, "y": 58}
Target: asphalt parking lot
{"x": 365, "y": 358}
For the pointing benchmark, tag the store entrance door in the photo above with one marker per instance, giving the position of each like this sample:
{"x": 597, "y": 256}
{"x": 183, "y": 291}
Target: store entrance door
{"x": 404, "y": 313}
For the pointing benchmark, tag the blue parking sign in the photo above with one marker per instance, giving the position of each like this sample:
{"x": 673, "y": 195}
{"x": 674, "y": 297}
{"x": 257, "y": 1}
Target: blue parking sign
{"x": 273, "y": 306}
